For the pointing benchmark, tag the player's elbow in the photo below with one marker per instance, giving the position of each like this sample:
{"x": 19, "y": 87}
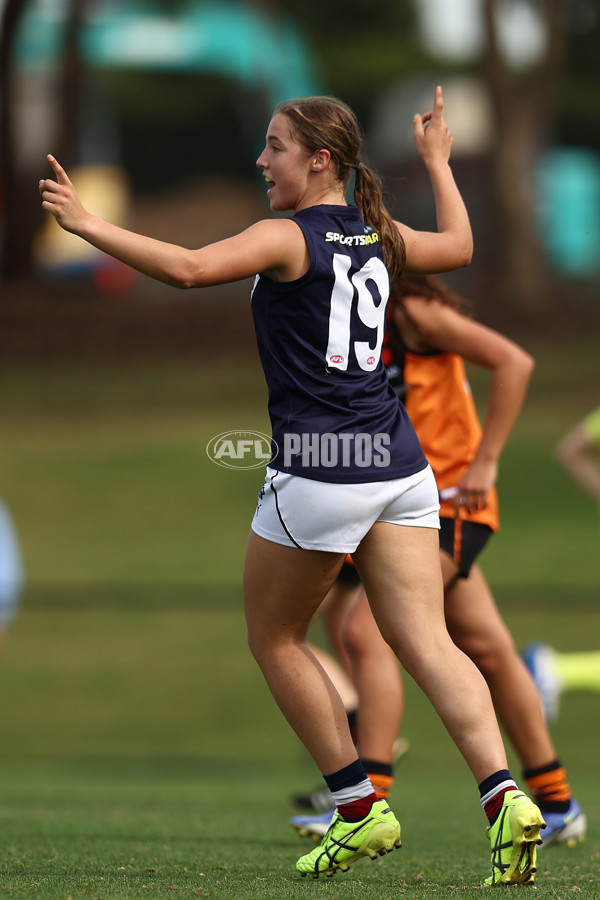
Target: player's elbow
{"x": 566, "y": 456}
{"x": 184, "y": 284}
{"x": 529, "y": 365}
{"x": 185, "y": 269}
{"x": 466, "y": 253}
{"x": 526, "y": 364}
{"x": 186, "y": 276}
{"x": 176, "y": 280}
{"x": 572, "y": 448}
{"x": 460, "y": 253}
{"x": 567, "y": 450}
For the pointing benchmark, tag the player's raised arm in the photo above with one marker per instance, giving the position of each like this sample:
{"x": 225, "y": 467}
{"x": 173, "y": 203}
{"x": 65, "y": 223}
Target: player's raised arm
{"x": 452, "y": 245}
{"x": 266, "y": 245}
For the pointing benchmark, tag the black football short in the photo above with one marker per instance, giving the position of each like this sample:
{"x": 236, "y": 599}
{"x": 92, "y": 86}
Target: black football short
{"x": 463, "y": 541}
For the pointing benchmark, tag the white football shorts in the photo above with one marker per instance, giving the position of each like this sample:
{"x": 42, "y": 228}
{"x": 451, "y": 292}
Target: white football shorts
{"x": 317, "y": 515}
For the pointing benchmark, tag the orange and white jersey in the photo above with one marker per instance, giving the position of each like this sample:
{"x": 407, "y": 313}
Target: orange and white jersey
{"x": 438, "y": 399}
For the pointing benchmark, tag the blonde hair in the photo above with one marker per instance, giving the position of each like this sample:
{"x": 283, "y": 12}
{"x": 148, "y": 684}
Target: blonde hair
{"x": 326, "y": 123}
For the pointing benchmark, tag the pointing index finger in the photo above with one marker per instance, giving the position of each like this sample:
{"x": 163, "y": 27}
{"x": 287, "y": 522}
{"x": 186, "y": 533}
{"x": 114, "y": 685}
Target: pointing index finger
{"x": 438, "y": 105}
{"x": 61, "y": 175}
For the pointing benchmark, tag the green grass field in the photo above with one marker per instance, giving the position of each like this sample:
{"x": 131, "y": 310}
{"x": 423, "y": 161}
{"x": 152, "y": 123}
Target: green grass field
{"x": 141, "y": 754}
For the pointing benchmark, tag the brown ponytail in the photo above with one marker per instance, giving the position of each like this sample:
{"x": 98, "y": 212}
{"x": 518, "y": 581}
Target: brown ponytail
{"x": 428, "y": 287}
{"x": 369, "y": 199}
{"x": 328, "y": 123}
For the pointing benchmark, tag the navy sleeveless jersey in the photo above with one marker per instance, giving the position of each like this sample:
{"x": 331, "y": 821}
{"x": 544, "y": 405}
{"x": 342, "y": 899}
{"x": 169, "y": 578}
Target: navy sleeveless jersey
{"x": 334, "y": 416}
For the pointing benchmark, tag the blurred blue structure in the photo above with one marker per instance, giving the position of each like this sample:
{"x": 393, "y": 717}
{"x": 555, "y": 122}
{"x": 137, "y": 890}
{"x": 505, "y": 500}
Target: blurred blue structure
{"x": 227, "y": 38}
{"x": 11, "y": 568}
{"x": 568, "y": 183}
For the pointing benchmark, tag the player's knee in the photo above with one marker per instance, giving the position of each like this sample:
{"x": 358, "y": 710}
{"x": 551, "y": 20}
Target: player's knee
{"x": 354, "y": 640}
{"x": 490, "y": 654}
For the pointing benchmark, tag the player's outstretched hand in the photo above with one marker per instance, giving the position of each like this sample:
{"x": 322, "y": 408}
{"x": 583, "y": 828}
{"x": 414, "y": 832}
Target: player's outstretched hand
{"x": 61, "y": 200}
{"x": 433, "y": 139}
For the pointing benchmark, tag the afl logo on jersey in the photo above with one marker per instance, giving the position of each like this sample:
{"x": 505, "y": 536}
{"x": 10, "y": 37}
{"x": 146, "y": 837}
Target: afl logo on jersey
{"x": 371, "y": 361}
{"x": 337, "y": 359}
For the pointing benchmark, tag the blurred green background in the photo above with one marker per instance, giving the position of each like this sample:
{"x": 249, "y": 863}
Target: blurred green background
{"x": 131, "y": 637}
{"x": 107, "y": 474}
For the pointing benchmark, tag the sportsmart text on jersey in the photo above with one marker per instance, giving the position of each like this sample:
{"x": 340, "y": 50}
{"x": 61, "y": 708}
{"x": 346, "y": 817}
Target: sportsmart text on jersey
{"x": 351, "y": 240}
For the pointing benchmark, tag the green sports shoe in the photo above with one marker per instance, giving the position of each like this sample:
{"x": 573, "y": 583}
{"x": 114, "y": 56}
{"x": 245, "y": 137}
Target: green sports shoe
{"x": 513, "y": 838}
{"x": 345, "y": 842}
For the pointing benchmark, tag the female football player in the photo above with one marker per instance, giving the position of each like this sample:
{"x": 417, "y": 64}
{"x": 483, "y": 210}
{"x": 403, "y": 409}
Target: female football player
{"x": 347, "y": 472}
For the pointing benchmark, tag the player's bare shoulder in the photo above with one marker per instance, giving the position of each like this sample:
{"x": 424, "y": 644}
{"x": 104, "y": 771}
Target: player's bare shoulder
{"x": 288, "y": 257}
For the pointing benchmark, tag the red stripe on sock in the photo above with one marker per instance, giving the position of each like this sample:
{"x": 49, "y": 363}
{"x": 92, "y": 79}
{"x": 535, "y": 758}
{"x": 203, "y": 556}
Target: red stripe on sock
{"x": 357, "y": 809}
{"x": 492, "y": 807}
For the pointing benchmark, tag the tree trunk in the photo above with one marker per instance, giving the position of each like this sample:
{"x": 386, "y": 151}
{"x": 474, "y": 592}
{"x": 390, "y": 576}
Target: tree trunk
{"x": 22, "y": 210}
{"x": 522, "y": 104}
{"x": 18, "y": 210}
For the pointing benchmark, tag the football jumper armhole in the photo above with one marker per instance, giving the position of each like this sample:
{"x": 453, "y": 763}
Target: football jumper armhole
{"x": 289, "y": 285}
